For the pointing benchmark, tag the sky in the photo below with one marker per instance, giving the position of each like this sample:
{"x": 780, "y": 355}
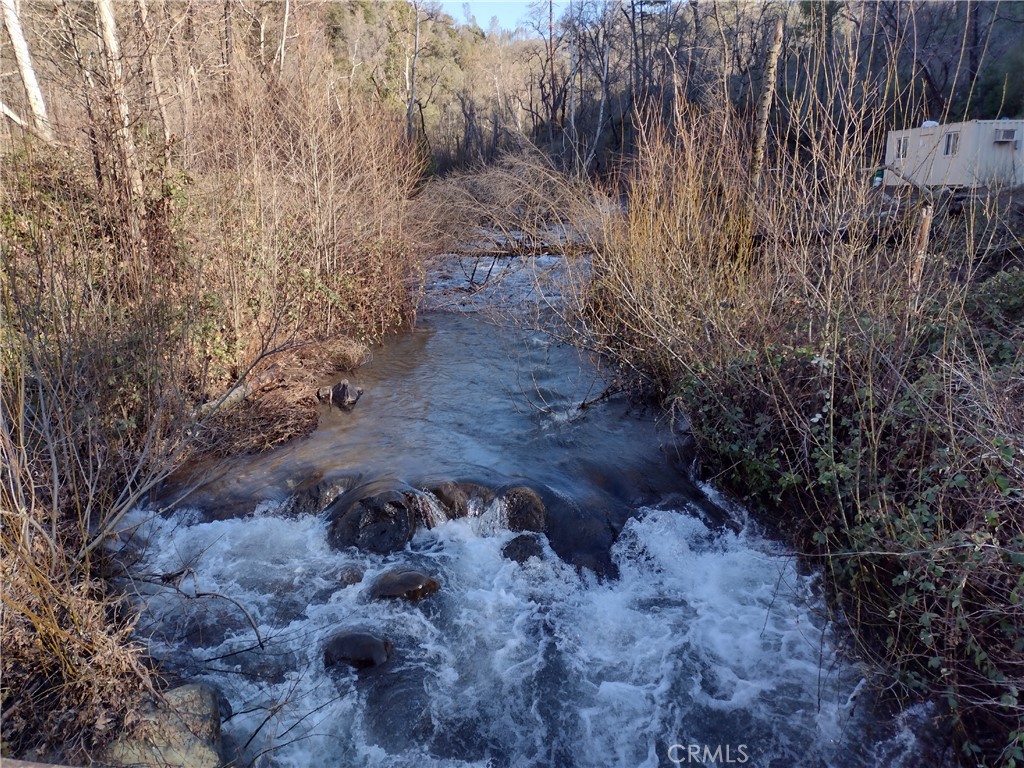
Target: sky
{"x": 510, "y": 13}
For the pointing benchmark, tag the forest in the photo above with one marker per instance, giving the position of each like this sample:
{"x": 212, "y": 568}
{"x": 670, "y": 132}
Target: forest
{"x": 191, "y": 191}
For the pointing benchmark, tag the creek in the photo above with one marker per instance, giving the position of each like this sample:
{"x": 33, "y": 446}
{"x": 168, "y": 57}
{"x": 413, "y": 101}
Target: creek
{"x": 658, "y": 619}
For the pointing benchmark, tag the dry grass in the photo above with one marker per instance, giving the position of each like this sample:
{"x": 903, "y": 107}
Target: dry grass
{"x": 85, "y": 428}
{"x": 520, "y": 205}
{"x": 277, "y": 225}
{"x": 854, "y": 385}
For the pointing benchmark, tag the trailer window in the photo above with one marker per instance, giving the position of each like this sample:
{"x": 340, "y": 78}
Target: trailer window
{"x": 952, "y": 143}
{"x": 901, "y": 147}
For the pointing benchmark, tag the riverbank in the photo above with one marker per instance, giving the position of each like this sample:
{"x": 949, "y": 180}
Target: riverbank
{"x": 128, "y": 322}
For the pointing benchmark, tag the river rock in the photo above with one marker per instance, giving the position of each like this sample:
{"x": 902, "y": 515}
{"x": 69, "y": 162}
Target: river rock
{"x": 358, "y": 649}
{"x": 377, "y": 517}
{"x": 463, "y": 499}
{"x": 314, "y": 495}
{"x": 583, "y": 539}
{"x": 403, "y": 583}
{"x": 524, "y": 509}
{"x": 181, "y": 731}
{"x": 349, "y": 575}
{"x": 522, "y": 548}
{"x": 343, "y": 395}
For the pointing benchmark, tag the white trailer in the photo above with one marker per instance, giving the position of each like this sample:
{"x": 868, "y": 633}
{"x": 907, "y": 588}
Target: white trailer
{"x": 979, "y": 153}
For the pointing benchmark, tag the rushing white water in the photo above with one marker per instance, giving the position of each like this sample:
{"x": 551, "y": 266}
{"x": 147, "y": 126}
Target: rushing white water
{"x": 707, "y": 639}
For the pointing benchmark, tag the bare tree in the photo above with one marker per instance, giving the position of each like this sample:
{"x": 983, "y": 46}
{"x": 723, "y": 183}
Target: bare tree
{"x": 154, "y": 74}
{"x": 125, "y": 141}
{"x": 40, "y": 121}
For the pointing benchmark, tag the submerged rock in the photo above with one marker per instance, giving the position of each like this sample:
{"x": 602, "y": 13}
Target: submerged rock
{"x": 357, "y": 649}
{"x": 525, "y": 510}
{"x": 181, "y": 731}
{"x": 403, "y": 583}
{"x": 523, "y": 547}
{"x": 584, "y": 541}
{"x": 349, "y": 575}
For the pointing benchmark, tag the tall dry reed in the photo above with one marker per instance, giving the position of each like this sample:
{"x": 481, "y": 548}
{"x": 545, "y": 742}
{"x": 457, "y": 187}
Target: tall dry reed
{"x": 850, "y": 363}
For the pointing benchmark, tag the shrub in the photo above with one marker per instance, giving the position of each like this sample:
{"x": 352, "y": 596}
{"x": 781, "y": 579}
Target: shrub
{"x": 862, "y": 391}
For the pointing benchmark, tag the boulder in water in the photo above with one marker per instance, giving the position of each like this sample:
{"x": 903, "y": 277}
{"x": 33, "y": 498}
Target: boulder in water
{"x": 403, "y": 583}
{"x": 377, "y": 517}
{"x": 342, "y": 394}
{"x": 462, "y": 499}
{"x": 358, "y": 649}
{"x": 315, "y": 495}
{"x": 524, "y": 509}
{"x": 523, "y": 547}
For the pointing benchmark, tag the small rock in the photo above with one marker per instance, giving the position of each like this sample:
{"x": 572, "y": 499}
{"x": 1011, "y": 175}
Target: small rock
{"x": 404, "y": 583}
{"x": 361, "y": 650}
{"x": 349, "y": 575}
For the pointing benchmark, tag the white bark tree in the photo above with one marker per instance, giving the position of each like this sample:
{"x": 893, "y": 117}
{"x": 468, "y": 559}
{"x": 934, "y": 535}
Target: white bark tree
{"x": 125, "y": 140}
{"x": 40, "y": 122}
{"x": 154, "y": 72}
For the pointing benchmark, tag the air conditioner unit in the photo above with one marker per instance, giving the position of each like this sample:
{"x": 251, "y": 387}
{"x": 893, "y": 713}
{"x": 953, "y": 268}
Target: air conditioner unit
{"x": 1005, "y": 135}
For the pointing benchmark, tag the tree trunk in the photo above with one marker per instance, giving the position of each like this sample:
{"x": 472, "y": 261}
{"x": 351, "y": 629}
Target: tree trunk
{"x": 125, "y": 141}
{"x": 763, "y": 108}
{"x": 605, "y": 60}
{"x": 89, "y": 94}
{"x": 410, "y": 78}
{"x": 551, "y": 66}
{"x": 228, "y": 43}
{"x": 40, "y": 120}
{"x": 284, "y": 38}
{"x": 155, "y": 80}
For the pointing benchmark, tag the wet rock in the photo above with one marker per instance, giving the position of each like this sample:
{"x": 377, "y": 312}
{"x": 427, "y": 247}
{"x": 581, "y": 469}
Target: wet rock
{"x": 403, "y": 583}
{"x": 343, "y": 395}
{"x": 463, "y": 499}
{"x": 314, "y": 496}
{"x": 522, "y": 548}
{"x": 591, "y": 546}
{"x": 181, "y": 731}
{"x": 358, "y": 649}
{"x": 583, "y": 537}
{"x": 376, "y": 517}
{"x": 525, "y": 510}
{"x": 349, "y": 575}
